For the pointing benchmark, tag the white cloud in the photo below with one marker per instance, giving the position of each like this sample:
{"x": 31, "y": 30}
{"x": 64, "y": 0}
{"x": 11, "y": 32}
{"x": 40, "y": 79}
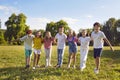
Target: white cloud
{"x": 38, "y": 23}
{"x": 89, "y": 16}
{"x": 8, "y": 9}
{"x": 70, "y": 20}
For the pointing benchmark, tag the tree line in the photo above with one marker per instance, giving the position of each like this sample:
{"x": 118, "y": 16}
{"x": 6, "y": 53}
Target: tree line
{"x": 16, "y": 27}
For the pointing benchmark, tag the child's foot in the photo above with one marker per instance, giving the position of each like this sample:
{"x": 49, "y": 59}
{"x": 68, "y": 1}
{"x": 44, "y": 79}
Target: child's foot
{"x": 96, "y": 71}
{"x": 68, "y": 66}
{"x": 74, "y": 67}
{"x": 33, "y": 68}
{"x": 82, "y": 68}
{"x": 50, "y": 65}
{"x": 58, "y": 66}
{"x": 37, "y": 66}
{"x": 27, "y": 66}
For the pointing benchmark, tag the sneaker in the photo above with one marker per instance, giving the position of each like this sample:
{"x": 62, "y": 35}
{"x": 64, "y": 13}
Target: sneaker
{"x": 82, "y": 68}
{"x": 74, "y": 67}
{"x": 37, "y": 66}
{"x": 34, "y": 68}
{"x": 68, "y": 66}
{"x": 27, "y": 66}
{"x": 96, "y": 71}
{"x": 58, "y": 66}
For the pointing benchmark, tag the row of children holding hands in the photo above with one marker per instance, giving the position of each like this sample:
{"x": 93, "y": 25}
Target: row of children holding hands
{"x": 97, "y": 36}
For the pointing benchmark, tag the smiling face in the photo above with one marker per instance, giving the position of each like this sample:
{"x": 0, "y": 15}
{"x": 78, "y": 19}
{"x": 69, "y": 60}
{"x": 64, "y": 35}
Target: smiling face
{"x": 61, "y": 30}
{"x": 84, "y": 32}
{"x": 70, "y": 32}
{"x": 48, "y": 34}
{"x": 38, "y": 34}
{"x": 96, "y": 28}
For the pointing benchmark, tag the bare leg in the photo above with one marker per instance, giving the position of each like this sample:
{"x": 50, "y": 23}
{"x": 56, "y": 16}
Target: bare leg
{"x": 97, "y": 61}
{"x": 69, "y": 60}
{"x": 38, "y": 57}
{"x": 74, "y": 59}
{"x": 34, "y": 61}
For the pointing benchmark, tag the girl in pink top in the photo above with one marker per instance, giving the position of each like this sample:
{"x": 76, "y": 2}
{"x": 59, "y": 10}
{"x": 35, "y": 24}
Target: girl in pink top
{"x": 48, "y": 40}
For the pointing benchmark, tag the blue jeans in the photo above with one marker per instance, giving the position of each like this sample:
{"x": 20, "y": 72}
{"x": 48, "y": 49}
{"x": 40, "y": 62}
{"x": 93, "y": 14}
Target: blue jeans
{"x": 60, "y": 56}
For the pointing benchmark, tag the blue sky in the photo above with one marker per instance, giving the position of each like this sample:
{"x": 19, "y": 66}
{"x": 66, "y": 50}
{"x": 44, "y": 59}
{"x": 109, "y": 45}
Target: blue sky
{"x": 78, "y": 13}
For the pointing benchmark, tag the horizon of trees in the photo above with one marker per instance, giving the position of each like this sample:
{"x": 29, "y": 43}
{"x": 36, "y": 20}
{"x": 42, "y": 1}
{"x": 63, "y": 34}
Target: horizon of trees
{"x": 16, "y": 28}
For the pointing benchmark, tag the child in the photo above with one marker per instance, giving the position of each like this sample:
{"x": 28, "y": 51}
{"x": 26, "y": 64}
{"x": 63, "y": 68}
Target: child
{"x": 72, "y": 42}
{"x": 98, "y": 37}
{"x": 84, "y": 47}
{"x": 37, "y": 41}
{"x": 48, "y": 40}
{"x": 28, "y": 42}
{"x": 61, "y": 38}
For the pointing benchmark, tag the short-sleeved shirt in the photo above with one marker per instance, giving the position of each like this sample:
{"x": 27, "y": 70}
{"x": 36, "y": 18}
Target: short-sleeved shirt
{"x": 84, "y": 41}
{"x": 98, "y": 37}
{"x": 61, "y": 40}
{"x": 28, "y": 41}
{"x": 48, "y": 43}
{"x": 37, "y": 41}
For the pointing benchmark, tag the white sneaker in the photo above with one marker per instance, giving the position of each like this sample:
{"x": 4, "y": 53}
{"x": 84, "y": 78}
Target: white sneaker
{"x": 37, "y": 66}
{"x": 34, "y": 68}
{"x": 96, "y": 71}
{"x": 82, "y": 68}
{"x": 68, "y": 66}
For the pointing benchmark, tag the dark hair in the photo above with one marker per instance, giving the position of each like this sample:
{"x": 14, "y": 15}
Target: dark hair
{"x": 36, "y": 33}
{"x": 28, "y": 31}
{"x": 61, "y": 26}
{"x": 96, "y": 24}
{"x": 47, "y": 37}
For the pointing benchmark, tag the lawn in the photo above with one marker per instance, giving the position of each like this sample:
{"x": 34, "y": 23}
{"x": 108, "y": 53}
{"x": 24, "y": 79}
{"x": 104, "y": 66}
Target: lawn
{"x": 12, "y": 65}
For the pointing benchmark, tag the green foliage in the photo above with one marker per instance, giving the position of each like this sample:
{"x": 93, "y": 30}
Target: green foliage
{"x": 53, "y": 27}
{"x": 16, "y": 26}
{"x": 110, "y": 30}
{"x": 2, "y": 40}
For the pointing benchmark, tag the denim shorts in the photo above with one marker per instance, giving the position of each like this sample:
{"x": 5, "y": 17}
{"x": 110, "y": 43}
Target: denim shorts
{"x": 28, "y": 53}
{"x": 97, "y": 52}
{"x": 72, "y": 50}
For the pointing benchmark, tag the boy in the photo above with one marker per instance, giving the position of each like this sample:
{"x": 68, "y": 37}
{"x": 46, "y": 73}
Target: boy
{"x": 98, "y": 38}
{"x": 61, "y": 38}
{"x": 28, "y": 42}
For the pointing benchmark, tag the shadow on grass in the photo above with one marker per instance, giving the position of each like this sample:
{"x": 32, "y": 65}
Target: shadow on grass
{"x": 19, "y": 73}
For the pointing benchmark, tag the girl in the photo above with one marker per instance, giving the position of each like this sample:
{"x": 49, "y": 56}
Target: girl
{"x": 72, "y": 42}
{"x": 37, "y": 41}
{"x": 84, "y": 47}
{"x": 48, "y": 40}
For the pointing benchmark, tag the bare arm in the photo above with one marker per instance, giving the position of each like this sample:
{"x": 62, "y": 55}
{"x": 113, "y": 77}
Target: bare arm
{"x": 108, "y": 42}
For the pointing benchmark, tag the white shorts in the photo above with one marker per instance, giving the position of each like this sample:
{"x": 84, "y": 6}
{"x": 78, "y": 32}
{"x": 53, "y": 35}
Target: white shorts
{"x": 37, "y": 51}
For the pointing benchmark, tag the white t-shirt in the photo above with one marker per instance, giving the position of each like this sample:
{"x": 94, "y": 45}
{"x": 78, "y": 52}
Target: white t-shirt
{"x": 98, "y": 37}
{"x": 61, "y": 40}
{"x": 84, "y": 41}
{"x": 28, "y": 41}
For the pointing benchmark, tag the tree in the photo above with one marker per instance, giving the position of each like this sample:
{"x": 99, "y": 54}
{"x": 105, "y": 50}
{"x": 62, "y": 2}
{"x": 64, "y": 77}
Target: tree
{"x": 110, "y": 30}
{"x": 53, "y": 27}
{"x": 2, "y": 40}
{"x": 16, "y": 26}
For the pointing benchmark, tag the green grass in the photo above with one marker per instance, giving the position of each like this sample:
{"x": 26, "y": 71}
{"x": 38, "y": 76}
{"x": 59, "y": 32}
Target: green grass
{"x": 12, "y": 63}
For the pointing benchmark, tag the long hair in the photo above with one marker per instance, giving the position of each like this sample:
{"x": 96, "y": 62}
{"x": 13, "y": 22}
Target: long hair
{"x": 46, "y": 35}
{"x": 36, "y": 34}
{"x": 73, "y": 33}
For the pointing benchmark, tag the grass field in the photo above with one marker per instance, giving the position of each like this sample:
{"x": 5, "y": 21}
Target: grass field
{"x": 12, "y": 64}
